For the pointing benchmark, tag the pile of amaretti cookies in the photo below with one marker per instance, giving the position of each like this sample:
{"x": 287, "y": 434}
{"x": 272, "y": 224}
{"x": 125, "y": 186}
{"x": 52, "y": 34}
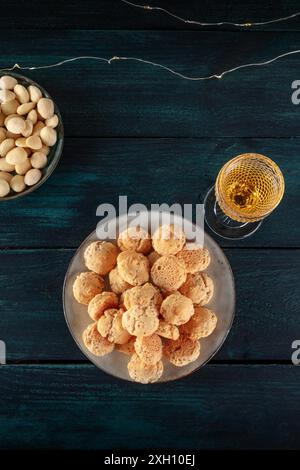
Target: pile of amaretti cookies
{"x": 27, "y": 133}
{"x": 155, "y": 306}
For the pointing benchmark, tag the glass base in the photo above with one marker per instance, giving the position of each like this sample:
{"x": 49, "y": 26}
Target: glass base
{"x": 223, "y": 225}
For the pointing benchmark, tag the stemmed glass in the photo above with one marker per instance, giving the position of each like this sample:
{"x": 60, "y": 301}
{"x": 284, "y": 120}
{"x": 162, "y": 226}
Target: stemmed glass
{"x": 247, "y": 189}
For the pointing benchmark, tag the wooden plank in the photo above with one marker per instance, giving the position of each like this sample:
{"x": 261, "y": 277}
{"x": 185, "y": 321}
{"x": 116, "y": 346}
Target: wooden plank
{"x": 266, "y": 323}
{"x": 219, "y": 407}
{"x": 148, "y": 171}
{"x": 134, "y": 99}
{"x": 108, "y": 14}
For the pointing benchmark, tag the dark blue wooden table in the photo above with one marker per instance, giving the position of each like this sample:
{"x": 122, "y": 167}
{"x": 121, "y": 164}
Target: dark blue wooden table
{"x": 124, "y": 122}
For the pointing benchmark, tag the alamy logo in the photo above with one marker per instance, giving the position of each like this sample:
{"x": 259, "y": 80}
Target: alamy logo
{"x": 296, "y": 354}
{"x": 296, "y": 94}
{"x": 181, "y": 216}
{"x": 2, "y": 352}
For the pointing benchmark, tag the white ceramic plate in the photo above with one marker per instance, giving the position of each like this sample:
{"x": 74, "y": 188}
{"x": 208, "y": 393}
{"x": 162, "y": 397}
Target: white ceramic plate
{"x": 223, "y": 303}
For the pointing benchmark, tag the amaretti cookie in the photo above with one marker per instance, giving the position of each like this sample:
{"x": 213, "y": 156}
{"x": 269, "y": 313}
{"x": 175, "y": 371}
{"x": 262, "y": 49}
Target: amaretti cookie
{"x": 194, "y": 258}
{"x": 142, "y": 296}
{"x": 201, "y": 325}
{"x": 110, "y": 326}
{"x": 144, "y": 373}
{"x": 135, "y": 238}
{"x": 116, "y": 282}
{"x": 182, "y": 351}
{"x": 149, "y": 348}
{"x": 95, "y": 343}
{"x": 199, "y": 287}
{"x": 102, "y": 302}
{"x": 133, "y": 267}
{"x": 177, "y": 309}
{"x": 141, "y": 321}
{"x": 168, "y": 273}
{"x": 86, "y": 286}
{"x": 101, "y": 257}
{"x": 167, "y": 330}
{"x": 168, "y": 239}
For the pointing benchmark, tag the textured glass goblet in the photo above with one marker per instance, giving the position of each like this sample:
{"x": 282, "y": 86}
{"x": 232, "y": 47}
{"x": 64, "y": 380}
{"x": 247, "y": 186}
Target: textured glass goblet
{"x": 248, "y": 188}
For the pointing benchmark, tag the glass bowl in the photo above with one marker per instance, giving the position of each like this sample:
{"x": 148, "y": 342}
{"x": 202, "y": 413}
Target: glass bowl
{"x": 115, "y": 364}
{"x": 56, "y": 150}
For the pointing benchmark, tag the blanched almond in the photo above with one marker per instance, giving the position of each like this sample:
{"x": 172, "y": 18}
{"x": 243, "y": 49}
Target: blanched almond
{"x": 52, "y": 122}
{"x": 8, "y": 118}
{"x": 17, "y": 183}
{"x": 34, "y": 142}
{"x": 7, "y": 95}
{"x": 16, "y": 125}
{"x": 21, "y": 93}
{"x": 48, "y": 136}
{"x": 16, "y": 155}
{"x": 21, "y": 142}
{"x": 5, "y": 146}
{"x": 32, "y": 177}
{"x": 7, "y": 82}
{"x": 34, "y": 93}
{"x": 22, "y": 168}
{"x": 5, "y": 176}
{"x": 45, "y": 107}
{"x": 32, "y": 115}
{"x": 10, "y": 107}
{"x": 25, "y": 108}
{"x": 38, "y": 160}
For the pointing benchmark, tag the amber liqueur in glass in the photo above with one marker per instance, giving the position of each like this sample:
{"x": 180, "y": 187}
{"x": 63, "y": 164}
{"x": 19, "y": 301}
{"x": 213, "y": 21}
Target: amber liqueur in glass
{"x": 249, "y": 187}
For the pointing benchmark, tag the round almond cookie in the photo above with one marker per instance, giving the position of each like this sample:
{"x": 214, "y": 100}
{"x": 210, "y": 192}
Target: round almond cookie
{"x": 133, "y": 267}
{"x": 110, "y": 326}
{"x": 102, "y": 302}
{"x": 144, "y": 373}
{"x": 117, "y": 283}
{"x": 141, "y": 321}
{"x": 177, "y": 309}
{"x": 143, "y": 296}
{"x": 101, "y": 257}
{"x": 167, "y": 330}
{"x": 168, "y": 273}
{"x": 182, "y": 351}
{"x": 168, "y": 239}
{"x": 95, "y": 343}
{"x": 127, "y": 348}
{"x": 198, "y": 287}
{"x": 195, "y": 258}
{"x": 149, "y": 348}
{"x": 136, "y": 239}
{"x": 86, "y": 286}
{"x": 201, "y": 325}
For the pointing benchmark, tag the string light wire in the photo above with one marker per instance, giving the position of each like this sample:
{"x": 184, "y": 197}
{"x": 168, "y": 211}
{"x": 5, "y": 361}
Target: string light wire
{"x": 154, "y": 64}
{"x": 220, "y": 23}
